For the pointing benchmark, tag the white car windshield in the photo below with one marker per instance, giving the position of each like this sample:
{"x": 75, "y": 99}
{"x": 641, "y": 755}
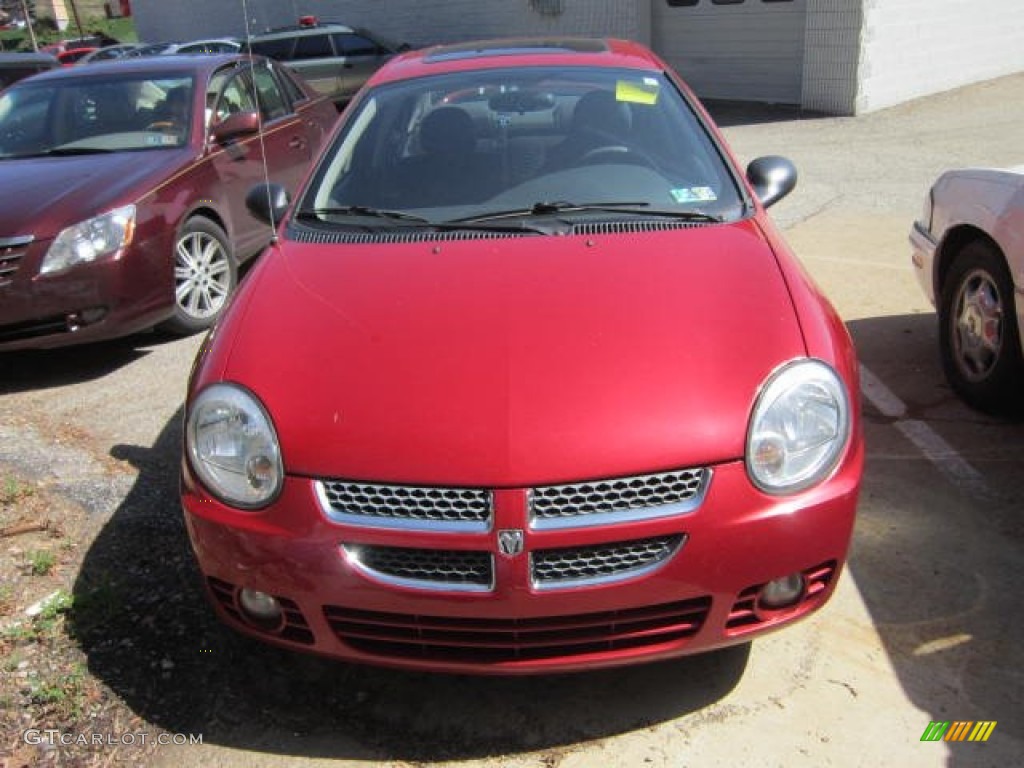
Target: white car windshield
{"x": 494, "y": 144}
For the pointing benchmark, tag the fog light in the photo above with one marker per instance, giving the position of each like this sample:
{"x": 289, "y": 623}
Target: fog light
{"x": 781, "y": 593}
{"x": 259, "y": 607}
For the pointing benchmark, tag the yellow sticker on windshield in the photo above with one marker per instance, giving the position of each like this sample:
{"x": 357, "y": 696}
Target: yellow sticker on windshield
{"x": 637, "y": 93}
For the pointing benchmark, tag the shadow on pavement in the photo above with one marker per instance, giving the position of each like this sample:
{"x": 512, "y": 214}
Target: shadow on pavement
{"x": 732, "y": 113}
{"x": 940, "y": 568}
{"x": 26, "y": 370}
{"x": 149, "y": 635}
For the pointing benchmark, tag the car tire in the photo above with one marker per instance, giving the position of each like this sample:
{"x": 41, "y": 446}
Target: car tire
{"x": 978, "y": 335}
{"x": 205, "y": 276}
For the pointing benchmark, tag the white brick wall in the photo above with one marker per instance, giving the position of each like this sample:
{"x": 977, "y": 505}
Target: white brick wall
{"x": 831, "y": 56}
{"x": 911, "y": 48}
{"x": 858, "y": 56}
{"x": 414, "y": 21}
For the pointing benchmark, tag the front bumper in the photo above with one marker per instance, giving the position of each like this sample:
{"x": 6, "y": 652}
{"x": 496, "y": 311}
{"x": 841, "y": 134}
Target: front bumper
{"x": 114, "y": 296}
{"x": 702, "y": 594}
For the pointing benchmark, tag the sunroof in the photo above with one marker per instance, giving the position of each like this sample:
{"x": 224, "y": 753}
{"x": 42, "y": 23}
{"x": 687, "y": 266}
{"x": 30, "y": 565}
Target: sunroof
{"x": 516, "y": 47}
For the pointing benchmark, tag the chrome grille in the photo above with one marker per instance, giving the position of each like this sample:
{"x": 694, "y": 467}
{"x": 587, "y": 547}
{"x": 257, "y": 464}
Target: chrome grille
{"x": 403, "y": 506}
{"x": 601, "y": 564}
{"x": 602, "y": 502}
{"x": 437, "y": 569}
{"x": 12, "y": 249}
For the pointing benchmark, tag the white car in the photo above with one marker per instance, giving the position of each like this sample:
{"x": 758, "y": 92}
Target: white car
{"x": 969, "y": 259}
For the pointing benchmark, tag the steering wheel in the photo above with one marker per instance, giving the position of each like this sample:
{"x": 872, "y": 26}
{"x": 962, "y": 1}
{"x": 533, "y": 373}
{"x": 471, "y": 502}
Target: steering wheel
{"x": 615, "y": 153}
{"x": 160, "y": 125}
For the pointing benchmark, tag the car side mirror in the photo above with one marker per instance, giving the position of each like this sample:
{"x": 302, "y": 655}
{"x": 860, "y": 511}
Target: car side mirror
{"x": 268, "y": 203}
{"x": 772, "y": 178}
{"x": 238, "y": 124}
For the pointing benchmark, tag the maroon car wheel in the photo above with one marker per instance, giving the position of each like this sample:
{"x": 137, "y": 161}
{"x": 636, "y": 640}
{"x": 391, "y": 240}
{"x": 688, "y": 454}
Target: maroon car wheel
{"x": 205, "y": 274}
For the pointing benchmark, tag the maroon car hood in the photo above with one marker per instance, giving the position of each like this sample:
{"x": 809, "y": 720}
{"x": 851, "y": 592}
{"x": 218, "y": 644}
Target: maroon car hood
{"x": 45, "y": 194}
{"x": 514, "y": 361}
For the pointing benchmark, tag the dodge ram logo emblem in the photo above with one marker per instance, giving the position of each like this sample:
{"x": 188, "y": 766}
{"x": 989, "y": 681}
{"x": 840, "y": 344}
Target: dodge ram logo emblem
{"x": 510, "y": 542}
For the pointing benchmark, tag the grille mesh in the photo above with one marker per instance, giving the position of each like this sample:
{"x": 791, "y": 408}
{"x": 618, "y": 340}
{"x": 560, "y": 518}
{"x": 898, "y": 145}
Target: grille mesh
{"x": 433, "y": 568}
{"x": 662, "y": 493}
{"x": 376, "y": 503}
{"x": 471, "y": 640}
{"x": 12, "y": 249}
{"x": 604, "y": 562}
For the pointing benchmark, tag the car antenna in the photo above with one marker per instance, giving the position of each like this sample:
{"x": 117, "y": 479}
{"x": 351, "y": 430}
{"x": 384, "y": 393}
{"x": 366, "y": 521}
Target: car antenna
{"x": 259, "y": 116}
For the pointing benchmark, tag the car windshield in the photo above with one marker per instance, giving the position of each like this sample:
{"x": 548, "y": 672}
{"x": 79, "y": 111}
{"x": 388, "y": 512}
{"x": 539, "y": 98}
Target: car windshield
{"x": 505, "y": 145}
{"x": 92, "y": 115}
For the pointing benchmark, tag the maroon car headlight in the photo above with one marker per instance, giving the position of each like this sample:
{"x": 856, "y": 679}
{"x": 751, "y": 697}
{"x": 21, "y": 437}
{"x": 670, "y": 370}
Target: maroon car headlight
{"x": 233, "y": 447}
{"x": 90, "y": 240}
{"x": 799, "y": 427}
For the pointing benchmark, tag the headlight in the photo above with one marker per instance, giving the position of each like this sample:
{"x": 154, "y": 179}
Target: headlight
{"x": 90, "y": 240}
{"x": 799, "y": 427}
{"x": 233, "y": 447}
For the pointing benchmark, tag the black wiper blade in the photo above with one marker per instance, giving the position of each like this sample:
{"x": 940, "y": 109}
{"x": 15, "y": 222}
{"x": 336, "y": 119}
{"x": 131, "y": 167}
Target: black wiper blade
{"x": 69, "y": 151}
{"x": 409, "y": 218}
{"x": 62, "y": 152}
{"x": 543, "y": 209}
{"x": 639, "y": 208}
{"x": 361, "y": 210}
{"x": 561, "y": 227}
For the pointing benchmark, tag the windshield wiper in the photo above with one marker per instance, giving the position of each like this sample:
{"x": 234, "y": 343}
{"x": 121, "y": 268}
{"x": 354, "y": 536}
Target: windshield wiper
{"x": 412, "y": 219}
{"x": 641, "y": 208}
{"x": 62, "y": 152}
{"x": 361, "y": 210}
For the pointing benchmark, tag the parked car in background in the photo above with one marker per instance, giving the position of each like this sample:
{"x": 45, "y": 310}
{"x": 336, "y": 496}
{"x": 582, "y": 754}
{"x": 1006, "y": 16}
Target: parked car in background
{"x": 71, "y": 56}
{"x": 528, "y": 381}
{"x": 968, "y": 255}
{"x": 108, "y": 52}
{"x": 333, "y": 58}
{"x": 214, "y": 45}
{"x": 17, "y": 66}
{"x": 218, "y": 45}
{"x": 123, "y": 190}
{"x": 149, "y": 49}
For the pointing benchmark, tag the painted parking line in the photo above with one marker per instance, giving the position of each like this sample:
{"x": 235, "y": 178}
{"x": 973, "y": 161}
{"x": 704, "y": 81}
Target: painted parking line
{"x": 929, "y": 442}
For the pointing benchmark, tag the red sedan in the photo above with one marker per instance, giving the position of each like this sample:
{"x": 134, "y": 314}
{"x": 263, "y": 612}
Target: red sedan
{"x": 124, "y": 186}
{"x": 528, "y": 382}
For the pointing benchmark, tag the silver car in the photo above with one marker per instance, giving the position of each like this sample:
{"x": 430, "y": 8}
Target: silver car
{"x": 334, "y": 59}
{"x": 969, "y": 259}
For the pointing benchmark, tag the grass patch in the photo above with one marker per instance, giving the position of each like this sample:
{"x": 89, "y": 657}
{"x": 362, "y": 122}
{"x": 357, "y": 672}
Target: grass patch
{"x": 41, "y": 561}
{"x": 13, "y": 490}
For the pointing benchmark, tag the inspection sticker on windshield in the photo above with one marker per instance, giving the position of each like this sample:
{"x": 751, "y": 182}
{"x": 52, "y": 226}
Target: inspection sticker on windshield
{"x": 694, "y": 194}
{"x": 645, "y": 92}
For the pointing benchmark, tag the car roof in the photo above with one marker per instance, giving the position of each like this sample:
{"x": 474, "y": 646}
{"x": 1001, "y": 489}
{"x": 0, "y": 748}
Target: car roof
{"x": 519, "y": 52}
{"x": 23, "y": 57}
{"x": 199, "y": 63}
{"x": 303, "y": 30}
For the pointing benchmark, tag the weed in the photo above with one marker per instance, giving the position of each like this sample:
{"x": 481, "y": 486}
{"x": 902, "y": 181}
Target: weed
{"x": 41, "y": 561}
{"x": 14, "y": 489}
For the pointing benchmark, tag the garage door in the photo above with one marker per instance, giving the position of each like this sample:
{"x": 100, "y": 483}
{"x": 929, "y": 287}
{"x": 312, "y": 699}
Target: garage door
{"x": 734, "y": 49}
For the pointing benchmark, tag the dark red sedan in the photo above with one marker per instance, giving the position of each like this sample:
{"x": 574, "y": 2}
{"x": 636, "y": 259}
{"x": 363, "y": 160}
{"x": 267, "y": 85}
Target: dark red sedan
{"x": 124, "y": 186}
{"x": 528, "y": 381}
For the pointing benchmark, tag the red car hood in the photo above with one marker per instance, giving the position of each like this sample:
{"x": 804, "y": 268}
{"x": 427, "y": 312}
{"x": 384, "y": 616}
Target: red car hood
{"x": 42, "y": 195}
{"x": 513, "y": 361}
